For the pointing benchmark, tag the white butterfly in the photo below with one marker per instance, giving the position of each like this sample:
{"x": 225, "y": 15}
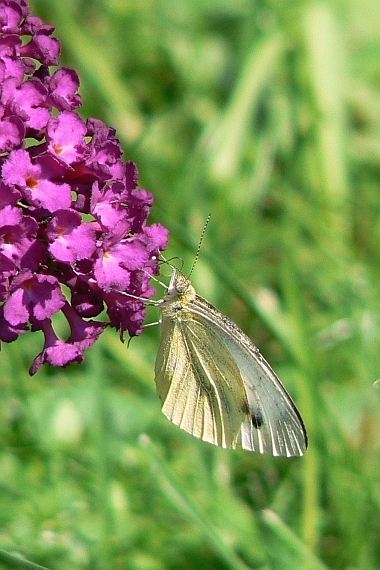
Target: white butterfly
{"x": 215, "y": 384}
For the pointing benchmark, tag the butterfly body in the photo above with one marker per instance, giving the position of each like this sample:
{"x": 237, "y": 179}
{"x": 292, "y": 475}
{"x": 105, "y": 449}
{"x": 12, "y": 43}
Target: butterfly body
{"x": 215, "y": 384}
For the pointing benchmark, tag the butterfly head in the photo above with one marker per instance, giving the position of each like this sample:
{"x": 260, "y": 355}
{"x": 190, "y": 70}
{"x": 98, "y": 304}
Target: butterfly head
{"x": 180, "y": 288}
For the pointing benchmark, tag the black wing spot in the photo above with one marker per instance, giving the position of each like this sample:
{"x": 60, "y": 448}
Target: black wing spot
{"x": 257, "y": 419}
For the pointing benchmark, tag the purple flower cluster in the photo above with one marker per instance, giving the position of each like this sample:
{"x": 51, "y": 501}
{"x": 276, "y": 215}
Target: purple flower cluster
{"x": 70, "y": 211}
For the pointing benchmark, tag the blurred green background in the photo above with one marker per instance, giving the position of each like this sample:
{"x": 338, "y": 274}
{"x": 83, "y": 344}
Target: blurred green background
{"x": 265, "y": 113}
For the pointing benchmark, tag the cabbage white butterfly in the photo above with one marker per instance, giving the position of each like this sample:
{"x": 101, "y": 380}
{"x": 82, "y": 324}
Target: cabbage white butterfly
{"x": 215, "y": 384}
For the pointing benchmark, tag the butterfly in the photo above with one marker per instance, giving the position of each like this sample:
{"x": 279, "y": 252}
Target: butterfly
{"x": 215, "y": 384}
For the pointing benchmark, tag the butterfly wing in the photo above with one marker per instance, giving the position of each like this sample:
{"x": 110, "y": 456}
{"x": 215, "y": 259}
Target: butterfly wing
{"x": 274, "y": 425}
{"x": 199, "y": 382}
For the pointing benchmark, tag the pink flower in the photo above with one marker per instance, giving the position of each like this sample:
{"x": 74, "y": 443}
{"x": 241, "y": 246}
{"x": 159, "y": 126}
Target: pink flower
{"x": 70, "y": 211}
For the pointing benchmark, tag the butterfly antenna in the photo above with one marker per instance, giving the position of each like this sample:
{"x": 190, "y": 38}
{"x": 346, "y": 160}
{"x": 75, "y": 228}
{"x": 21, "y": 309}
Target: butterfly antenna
{"x": 200, "y": 244}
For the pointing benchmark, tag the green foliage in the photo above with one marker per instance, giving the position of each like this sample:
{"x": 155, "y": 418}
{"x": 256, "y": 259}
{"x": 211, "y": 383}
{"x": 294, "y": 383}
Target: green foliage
{"x": 266, "y": 114}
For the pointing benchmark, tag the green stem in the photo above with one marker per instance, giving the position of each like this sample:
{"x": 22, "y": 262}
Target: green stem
{"x": 15, "y": 561}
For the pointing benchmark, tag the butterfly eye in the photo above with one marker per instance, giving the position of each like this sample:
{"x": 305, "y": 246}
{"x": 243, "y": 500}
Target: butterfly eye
{"x": 182, "y": 286}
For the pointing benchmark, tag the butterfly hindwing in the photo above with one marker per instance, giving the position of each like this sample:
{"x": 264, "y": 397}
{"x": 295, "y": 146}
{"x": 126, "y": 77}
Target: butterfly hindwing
{"x": 194, "y": 378}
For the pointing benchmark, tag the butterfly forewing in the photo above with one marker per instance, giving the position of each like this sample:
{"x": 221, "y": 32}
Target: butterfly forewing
{"x": 278, "y": 427}
{"x": 275, "y": 425}
{"x": 215, "y": 384}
